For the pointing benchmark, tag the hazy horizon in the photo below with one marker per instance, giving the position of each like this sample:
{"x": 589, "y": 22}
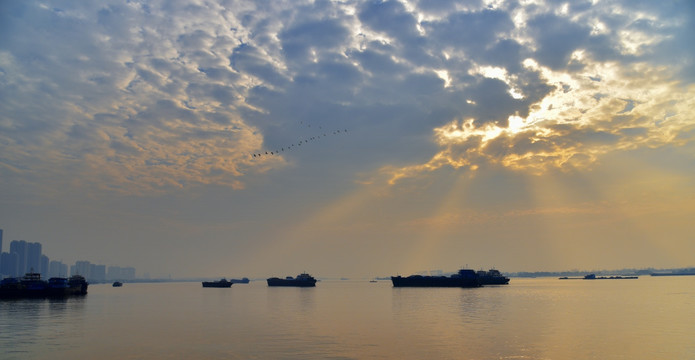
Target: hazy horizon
{"x": 354, "y": 138}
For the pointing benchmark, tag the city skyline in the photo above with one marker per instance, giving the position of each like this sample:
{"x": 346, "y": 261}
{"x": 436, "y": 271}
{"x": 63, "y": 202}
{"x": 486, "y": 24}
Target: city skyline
{"x": 350, "y": 138}
{"x": 113, "y": 272}
{"x": 25, "y": 257}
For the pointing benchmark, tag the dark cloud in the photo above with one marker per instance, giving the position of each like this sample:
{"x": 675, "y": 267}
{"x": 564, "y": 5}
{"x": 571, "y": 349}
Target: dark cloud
{"x": 390, "y": 18}
{"x": 249, "y": 60}
{"x": 470, "y": 31}
{"x": 324, "y": 35}
{"x": 443, "y": 7}
{"x": 556, "y": 38}
{"x": 506, "y": 53}
{"x": 378, "y": 62}
{"x": 493, "y": 102}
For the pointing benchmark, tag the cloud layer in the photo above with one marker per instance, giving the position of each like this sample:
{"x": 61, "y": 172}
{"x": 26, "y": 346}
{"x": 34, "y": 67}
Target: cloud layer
{"x": 146, "y": 96}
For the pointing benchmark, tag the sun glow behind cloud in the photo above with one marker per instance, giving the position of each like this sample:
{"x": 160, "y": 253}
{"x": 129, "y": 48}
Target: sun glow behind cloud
{"x": 605, "y": 108}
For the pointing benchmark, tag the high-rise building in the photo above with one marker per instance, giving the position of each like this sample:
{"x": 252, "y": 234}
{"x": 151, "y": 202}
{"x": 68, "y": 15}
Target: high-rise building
{"x": 1, "y": 252}
{"x": 43, "y": 268}
{"x": 80, "y": 268}
{"x": 113, "y": 273}
{"x": 19, "y": 247}
{"x": 120, "y": 273}
{"x": 128, "y": 273}
{"x": 9, "y": 264}
{"x": 57, "y": 269}
{"x": 97, "y": 272}
{"x": 33, "y": 257}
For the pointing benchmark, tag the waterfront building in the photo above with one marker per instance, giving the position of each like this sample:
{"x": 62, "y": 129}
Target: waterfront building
{"x": 19, "y": 248}
{"x": 33, "y": 257}
{"x": 57, "y": 269}
{"x": 97, "y": 272}
{"x": 43, "y": 266}
{"x": 9, "y": 264}
{"x": 120, "y": 273}
{"x": 80, "y": 268}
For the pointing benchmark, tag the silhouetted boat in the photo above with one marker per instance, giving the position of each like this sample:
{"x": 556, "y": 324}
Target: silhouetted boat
{"x": 464, "y": 278}
{"x": 222, "y": 283}
{"x": 240, "y": 281}
{"x": 615, "y": 277}
{"x": 302, "y": 280}
{"x": 31, "y": 286}
{"x": 492, "y": 277}
{"x": 117, "y": 284}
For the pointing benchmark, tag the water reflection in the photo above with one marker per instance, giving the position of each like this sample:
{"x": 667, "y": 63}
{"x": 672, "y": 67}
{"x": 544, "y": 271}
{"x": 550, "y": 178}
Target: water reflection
{"x": 28, "y": 325}
{"x": 291, "y": 312}
{"x": 532, "y": 319}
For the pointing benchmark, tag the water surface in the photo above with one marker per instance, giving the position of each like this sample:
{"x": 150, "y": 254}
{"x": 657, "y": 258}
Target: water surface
{"x": 545, "y": 318}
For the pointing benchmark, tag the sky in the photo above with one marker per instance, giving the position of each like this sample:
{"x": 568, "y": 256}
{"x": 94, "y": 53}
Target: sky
{"x": 349, "y": 138}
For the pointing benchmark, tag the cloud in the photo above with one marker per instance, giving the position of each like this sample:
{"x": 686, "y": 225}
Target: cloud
{"x": 140, "y": 97}
{"x": 570, "y": 120}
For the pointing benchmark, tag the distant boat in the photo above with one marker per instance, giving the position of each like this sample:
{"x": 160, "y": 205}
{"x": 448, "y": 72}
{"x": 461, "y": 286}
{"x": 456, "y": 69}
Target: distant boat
{"x": 117, "y": 284}
{"x": 464, "y": 278}
{"x": 615, "y": 277}
{"x": 492, "y": 277}
{"x": 222, "y": 283}
{"x": 240, "y": 281}
{"x": 302, "y": 280}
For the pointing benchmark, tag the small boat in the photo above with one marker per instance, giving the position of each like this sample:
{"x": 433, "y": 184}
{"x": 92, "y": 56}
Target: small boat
{"x": 302, "y": 280}
{"x": 117, "y": 284}
{"x": 222, "y": 283}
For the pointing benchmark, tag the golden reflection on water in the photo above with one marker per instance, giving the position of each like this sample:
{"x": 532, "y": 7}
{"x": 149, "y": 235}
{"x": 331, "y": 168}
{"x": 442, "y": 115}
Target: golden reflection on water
{"x": 546, "y": 318}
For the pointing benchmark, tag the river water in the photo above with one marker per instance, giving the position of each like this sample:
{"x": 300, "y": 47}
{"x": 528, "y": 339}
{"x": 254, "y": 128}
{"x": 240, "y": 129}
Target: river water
{"x": 544, "y": 318}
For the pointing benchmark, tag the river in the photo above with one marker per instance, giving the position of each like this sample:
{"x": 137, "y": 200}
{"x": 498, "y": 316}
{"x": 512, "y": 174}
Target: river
{"x": 543, "y": 318}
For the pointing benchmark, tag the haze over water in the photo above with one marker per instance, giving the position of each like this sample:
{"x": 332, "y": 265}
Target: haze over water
{"x": 543, "y": 318}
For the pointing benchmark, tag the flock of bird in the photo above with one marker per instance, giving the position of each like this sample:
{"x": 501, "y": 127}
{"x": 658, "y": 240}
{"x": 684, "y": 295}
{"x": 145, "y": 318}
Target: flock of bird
{"x": 291, "y": 147}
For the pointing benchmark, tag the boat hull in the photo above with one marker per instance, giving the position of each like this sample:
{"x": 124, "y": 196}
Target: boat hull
{"x": 494, "y": 280}
{"x": 302, "y": 280}
{"x": 293, "y": 282}
{"x": 465, "y": 278}
{"x": 37, "y": 288}
{"x": 433, "y": 281}
{"x": 217, "y": 284}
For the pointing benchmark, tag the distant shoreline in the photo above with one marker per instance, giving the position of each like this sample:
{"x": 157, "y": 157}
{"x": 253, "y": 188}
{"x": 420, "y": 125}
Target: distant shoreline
{"x": 631, "y": 272}
{"x": 519, "y": 274}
